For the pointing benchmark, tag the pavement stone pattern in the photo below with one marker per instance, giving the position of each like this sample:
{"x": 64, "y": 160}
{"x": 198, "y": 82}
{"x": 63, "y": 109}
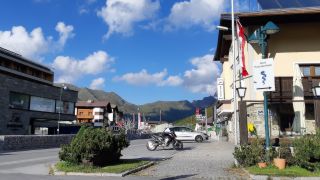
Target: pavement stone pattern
{"x": 209, "y": 160}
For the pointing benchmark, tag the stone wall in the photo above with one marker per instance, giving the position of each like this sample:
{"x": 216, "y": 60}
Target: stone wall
{"x": 24, "y": 142}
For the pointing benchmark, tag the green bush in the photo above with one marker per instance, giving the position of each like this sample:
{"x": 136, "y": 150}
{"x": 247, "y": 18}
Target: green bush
{"x": 249, "y": 155}
{"x": 307, "y": 151}
{"x": 94, "y": 146}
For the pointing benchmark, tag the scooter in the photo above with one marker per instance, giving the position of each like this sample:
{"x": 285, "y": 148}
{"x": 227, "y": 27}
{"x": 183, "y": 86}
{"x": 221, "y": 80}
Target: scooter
{"x": 164, "y": 140}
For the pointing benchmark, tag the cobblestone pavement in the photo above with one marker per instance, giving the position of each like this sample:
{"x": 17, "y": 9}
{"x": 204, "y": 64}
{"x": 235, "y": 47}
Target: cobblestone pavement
{"x": 210, "y": 160}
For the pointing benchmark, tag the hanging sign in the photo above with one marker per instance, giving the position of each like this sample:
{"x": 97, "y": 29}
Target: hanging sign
{"x": 263, "y": 75}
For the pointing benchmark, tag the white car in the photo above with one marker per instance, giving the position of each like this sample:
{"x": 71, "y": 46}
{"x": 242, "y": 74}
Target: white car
{"x": 187, "y": 134}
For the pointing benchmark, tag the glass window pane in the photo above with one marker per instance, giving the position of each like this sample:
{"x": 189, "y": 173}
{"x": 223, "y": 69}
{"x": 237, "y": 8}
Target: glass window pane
{"x": 317, "y": 70}
{"x": 305, "y": 70}
{"x": 42, "y": 104}
{"x": 20, "y": 101}
{"x": 65, "y": 107}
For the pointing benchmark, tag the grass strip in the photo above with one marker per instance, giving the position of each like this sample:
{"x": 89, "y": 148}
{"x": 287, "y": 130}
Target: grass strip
{"x": 122, "y": 166}
{"x": 292, "y": 171}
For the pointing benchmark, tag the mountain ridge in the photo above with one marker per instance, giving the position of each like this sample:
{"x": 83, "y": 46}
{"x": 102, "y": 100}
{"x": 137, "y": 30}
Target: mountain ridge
{"x": 170, "y": 110}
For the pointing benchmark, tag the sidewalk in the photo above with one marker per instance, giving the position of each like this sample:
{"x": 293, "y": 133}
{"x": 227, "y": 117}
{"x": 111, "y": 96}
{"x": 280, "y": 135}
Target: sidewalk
{"x": 210, "y": 160}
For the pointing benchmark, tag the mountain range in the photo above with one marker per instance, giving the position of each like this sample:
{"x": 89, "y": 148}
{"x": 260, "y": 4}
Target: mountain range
{"x": 170, "y": 110}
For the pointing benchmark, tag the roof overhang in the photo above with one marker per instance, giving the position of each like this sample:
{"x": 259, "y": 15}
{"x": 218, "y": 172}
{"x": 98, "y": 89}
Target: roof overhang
{"x": 278, "y": 16}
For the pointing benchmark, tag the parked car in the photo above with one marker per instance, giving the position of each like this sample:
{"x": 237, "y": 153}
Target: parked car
{"x": 187, "y": 134}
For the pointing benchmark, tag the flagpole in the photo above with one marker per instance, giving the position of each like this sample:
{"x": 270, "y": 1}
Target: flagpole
{"x": 234, "y": 76}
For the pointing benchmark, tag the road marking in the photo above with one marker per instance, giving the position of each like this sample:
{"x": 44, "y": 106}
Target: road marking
{"x": 137, "y": 145}
{"x": 27, "y": 160}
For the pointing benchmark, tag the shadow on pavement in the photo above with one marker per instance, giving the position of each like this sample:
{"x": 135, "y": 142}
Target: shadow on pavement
{"x": 5, "y": 153}
{"x": 171, "y": 149}
{"x": 178, "y": 177}
{"x": 151, "y": 158}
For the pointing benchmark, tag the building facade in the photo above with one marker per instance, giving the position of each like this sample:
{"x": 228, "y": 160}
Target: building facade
{"x": 96, "y": 113}
{"x": 29, "y": 99}
{"x": 295, "y": 51}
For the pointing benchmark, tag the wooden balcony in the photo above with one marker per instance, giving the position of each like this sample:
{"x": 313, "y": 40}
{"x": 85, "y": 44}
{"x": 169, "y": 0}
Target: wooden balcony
{"x": 308, "y": 83}
{"x": 284, "y": 86}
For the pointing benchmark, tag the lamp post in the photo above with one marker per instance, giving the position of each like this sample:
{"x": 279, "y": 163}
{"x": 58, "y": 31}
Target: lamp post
{"x": 316, "y": 91}
{"x": 316, "y": 94}
{"x": 63, "y": 87}
{"x": 241, "y": 92}
{"x": 260, "y": 36}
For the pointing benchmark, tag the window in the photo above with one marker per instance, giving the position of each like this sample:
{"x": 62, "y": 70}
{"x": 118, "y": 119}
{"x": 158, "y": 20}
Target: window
{"x": 305, "y": 71}
{"x": 310, "y": 70}
{"x": 64, "y": 107}
{"x": 309, "y": 111}
{"x": 19, "y": 101}
{"x": 317, "y": 70}
{"x": 42, "y": 104}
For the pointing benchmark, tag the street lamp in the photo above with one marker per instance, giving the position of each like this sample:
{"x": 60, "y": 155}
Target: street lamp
{"x": 241, "y": 92}
{"x": 316, "y": 94}
{"x": 260, "y": 36}
{"x": 63, "y": 87}
{"x": 316, "y": 91}
{"x": 222, "y": 28}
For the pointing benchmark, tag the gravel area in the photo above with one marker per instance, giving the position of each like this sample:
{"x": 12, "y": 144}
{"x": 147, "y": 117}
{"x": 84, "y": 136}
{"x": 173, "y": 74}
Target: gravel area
{"x": 210, "y": 160}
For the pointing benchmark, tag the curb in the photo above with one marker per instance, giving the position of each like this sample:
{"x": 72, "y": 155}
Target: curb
{"x": 267, "y": 177}
{"x": 60, "y": 173}
{"x": 138, "y": 169}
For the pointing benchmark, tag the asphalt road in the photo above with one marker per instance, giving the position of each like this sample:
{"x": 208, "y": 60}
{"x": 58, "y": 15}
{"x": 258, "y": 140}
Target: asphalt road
{"x": 34, "y": 164}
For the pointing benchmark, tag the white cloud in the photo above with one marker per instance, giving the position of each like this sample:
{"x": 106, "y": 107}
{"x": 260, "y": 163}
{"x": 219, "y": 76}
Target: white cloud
{"x": 65, "y": 32}
{"x": 34, "y": 44}
{"x": 83, "y": 10}
{"x": 202, "y": 78}
{"x": 189, "y": 13}
{"x": 70, "y": 69}
{"x": 120, "y": 15}
{"x": 144, "y": 78}
{"x": 172, "y": 81}
{"x": 97, "y": 83}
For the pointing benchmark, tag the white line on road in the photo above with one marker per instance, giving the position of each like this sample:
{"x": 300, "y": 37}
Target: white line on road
{"x": 137, "y": 145}
{"x": 28, "y": 160}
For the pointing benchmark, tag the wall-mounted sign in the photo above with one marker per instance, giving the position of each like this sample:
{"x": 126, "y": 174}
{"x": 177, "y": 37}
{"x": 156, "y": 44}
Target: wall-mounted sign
{"x": 220, "y": 88}
{"x": 263, "y": 75}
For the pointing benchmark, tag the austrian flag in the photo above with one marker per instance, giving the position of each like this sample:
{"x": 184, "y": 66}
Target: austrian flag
{"x": 242, "y": 42}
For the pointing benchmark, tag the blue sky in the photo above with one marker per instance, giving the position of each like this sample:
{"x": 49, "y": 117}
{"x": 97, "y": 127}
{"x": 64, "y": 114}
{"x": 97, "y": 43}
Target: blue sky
{"x": 144, "y": 50}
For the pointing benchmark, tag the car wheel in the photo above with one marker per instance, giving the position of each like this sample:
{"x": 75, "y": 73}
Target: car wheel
{"x": 199, "y": 138}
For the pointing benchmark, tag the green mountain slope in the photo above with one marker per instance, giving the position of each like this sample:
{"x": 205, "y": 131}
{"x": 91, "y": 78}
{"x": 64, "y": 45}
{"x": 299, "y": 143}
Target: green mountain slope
{"x": 170, "y": 110}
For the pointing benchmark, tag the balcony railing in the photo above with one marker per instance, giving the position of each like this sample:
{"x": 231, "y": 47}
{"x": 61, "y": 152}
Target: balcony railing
{"x": 284, "y": 86}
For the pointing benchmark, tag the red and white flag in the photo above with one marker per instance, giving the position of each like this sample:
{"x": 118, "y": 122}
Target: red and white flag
{"x": 242, "y": 42}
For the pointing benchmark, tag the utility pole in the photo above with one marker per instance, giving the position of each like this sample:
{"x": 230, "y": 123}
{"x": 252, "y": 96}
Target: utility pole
{"x": 160, "y": 115}
{"x": 206, "y": 120}
{"x": 234, "y": 66}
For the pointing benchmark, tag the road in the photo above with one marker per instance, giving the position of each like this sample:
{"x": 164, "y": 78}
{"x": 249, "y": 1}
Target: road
{"x": 34, "y": 164}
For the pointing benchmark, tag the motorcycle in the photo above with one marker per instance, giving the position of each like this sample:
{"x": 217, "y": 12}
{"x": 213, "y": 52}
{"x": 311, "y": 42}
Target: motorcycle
{"x": 164, "y": 140}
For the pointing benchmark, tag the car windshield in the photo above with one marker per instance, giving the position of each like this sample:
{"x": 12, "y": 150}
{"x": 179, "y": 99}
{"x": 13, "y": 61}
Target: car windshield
{"x": 185, "y": 129}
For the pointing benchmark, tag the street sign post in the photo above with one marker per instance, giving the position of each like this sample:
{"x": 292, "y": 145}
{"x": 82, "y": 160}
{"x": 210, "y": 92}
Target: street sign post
{"x": 263, "y": 75}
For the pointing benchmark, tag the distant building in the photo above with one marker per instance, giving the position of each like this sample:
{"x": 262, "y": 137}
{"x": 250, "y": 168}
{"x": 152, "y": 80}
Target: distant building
{"x": 29, "y": 100}
{"x": 97, "y": 112}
